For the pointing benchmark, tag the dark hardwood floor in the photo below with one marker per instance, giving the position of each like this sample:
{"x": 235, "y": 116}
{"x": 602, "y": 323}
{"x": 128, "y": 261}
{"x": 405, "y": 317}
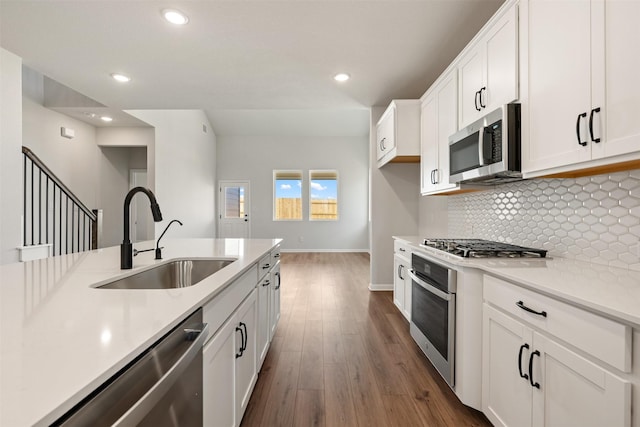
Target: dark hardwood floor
{"x": 343, "y": 356}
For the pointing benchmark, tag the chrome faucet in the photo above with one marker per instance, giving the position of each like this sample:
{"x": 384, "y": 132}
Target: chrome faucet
{"x": 126, "y": 248}
{"x": 158, "y": 248}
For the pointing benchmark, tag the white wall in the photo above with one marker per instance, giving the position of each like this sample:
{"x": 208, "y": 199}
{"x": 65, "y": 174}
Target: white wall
{"x": 395, "y": 193}
{"x": 254, "y": 158}
{"x": 75, "y": 161}
{"x": 10, "y": 156}
{"x": 125, "y": 136}
{"x": 183, "y": 165}
{"x": 433, "y": 216}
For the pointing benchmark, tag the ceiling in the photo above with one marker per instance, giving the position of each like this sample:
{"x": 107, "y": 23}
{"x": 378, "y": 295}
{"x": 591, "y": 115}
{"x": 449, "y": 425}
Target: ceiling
{"x": 254, "y": 67}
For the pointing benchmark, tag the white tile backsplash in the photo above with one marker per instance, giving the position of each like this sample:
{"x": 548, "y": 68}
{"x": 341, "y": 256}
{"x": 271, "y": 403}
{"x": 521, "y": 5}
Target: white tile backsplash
{"x": 595, "y": 218}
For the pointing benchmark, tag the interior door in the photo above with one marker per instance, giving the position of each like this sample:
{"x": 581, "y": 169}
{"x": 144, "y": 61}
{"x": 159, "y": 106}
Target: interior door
{"x": 234, "y": 208}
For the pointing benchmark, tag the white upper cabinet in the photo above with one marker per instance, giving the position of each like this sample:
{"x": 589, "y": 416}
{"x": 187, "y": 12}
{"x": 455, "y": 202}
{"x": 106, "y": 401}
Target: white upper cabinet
{"x": 398, "y": 132}
{"x": 581, "y": 102}
{"x": 488, "y": 71}
{"x": 439, "y": 119}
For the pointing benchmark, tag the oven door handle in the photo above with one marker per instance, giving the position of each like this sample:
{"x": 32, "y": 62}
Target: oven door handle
{"x": 429, "y": 287}
{"x": 142, "y": 407}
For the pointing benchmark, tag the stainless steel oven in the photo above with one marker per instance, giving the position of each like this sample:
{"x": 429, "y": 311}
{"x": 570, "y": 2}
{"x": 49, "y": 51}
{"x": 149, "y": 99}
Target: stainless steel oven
{"x": 433, "y": 313}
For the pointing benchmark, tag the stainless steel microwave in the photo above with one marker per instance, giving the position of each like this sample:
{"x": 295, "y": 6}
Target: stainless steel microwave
{"x": 488, "y": 150}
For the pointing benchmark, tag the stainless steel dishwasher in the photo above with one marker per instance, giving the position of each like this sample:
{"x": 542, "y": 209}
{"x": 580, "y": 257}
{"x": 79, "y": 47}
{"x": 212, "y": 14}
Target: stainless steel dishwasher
{"x": 161, "y": 387}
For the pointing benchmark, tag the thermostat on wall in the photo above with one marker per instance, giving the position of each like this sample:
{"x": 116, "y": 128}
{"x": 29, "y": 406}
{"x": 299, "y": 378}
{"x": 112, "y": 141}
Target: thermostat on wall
{"x": 67, "y": 132}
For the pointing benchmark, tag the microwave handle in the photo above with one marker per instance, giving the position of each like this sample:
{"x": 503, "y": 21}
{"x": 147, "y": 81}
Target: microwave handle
{"x": 484, "y": 146}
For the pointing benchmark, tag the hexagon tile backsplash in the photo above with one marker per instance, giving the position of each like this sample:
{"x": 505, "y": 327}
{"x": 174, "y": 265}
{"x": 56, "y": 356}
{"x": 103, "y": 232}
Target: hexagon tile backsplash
{"x": 596, "y": 218}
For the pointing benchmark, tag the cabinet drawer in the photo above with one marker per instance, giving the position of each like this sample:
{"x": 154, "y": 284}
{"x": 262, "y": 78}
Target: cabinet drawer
{"x": 264, "y": 265}
{"x": 275, "y": 255}
{"x": 216, "y": 311}
{"x": 402, "y": 249}
{"x": 602, "y": 338}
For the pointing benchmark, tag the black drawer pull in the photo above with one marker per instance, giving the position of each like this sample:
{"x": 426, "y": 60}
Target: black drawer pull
{"x": 476, "y": 101}
{"x": 593, "y": 111}
{"x": 578, "y": 129}
{"x": 522, "y": 347}
{"x": 530, "y": 310}
{"x": 264, "y": 267}
{"x": 482, "y": 90}
{"x": 536, "y": 384}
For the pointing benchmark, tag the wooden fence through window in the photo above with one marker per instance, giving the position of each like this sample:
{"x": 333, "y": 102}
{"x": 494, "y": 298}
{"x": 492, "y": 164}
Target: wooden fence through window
{"x": 291, "y": 208}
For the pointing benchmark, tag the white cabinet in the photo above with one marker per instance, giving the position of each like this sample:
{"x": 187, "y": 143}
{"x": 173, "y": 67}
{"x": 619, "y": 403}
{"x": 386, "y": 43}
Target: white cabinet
{"x": 229, "y": 371}
{"x": 532, "y": 380}
{"x": 401, "y": 279}
{"x": 439, "y": 120}
{"x": 246, "y": 357}
{"x": 264, "y": 323}
{"x": 488, "y": 71}
{"x": 219, "y": 372}
{"x": 398, "y": 132}
{"x": 541, "y": 362}
{"x": 274, "y": 303}
{"x": 582, "y": 102}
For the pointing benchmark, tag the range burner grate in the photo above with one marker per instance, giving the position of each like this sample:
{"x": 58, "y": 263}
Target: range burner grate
{"x": 478, "y": 248}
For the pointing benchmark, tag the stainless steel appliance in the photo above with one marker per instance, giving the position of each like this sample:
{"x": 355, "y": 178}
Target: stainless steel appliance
{"x": 161, "y": 387}
{"x": 433, "y": 313}
{"x": 478, "y": 248}
{"x": 488, "y": 150}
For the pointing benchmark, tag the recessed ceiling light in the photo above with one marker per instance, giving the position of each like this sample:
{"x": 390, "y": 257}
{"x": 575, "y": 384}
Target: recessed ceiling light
{"x": 175, "y": 16}
{"x": 342, "y": 77}
{"x": 106, "y": 119}
{"x": 120, "y": 77}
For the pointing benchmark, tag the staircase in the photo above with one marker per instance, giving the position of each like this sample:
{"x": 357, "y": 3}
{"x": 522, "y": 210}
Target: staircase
{"x": 55, "y": 221}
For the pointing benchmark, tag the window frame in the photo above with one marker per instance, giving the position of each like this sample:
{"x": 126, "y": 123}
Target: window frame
{"x": 327, "y": 172}
{"x": 292, "y": 172}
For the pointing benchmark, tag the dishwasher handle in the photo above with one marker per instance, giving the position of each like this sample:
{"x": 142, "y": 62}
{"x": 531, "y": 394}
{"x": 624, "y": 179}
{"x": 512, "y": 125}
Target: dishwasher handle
{"x": 142, "y": 407}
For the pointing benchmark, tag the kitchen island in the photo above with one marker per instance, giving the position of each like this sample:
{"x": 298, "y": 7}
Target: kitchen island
{"x": 60, "y": 337}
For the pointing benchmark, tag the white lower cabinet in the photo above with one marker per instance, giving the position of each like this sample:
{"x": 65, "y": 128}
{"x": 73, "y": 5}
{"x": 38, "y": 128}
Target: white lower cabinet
{"x": 402, "y": 286}
{"x": 530, "y": 379}
{"x": 274, "y": 300}
{"x": 264, "y": 323}
{"x": 230, "y": 368}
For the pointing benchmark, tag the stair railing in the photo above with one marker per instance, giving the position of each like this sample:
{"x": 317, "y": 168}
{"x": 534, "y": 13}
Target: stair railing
{"x": 52, "y": 213}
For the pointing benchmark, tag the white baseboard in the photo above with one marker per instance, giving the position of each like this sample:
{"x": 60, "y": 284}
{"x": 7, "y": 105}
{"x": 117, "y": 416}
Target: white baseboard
{"x": 323, "y": 250}
{"x": 380, "y": 287}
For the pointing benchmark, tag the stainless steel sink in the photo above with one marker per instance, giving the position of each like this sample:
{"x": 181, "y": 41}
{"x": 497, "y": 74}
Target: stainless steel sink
{"x": 174, "y": 274}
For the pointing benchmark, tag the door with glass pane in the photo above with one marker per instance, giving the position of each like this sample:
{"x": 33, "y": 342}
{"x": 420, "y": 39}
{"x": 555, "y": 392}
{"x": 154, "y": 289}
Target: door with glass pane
{"x": 234, "y": 209}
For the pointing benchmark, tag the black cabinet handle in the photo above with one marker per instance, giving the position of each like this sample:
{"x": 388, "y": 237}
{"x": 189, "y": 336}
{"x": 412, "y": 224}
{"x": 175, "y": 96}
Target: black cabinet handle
{"x": 580, "y": 116}
{"x": 276, "y": 255}
{"x": 265, "y": 283}
{"x": 278, "y": 276}
{"x": 475, "y": 100}
{"x": 522, "y": 347}
{"x": 246, "y": 336}
{"x": 536, "y": 384}
{"x": 530, "y": 310}
{"x": 402, "y": 250}
{"x": 484, "y": 89}
{"x": 264, "y": 267}
{"x": 238, "y": 328}
{"x": 593, "y": 111}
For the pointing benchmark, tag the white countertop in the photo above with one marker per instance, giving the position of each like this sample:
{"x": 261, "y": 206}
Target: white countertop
{"x": 612, "y": 292}
{"x": 60, "y": 338}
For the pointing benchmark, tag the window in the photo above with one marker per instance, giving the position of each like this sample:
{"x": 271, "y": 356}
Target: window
{"x": 287, "y": 191}
{"x": 323, "y": 195}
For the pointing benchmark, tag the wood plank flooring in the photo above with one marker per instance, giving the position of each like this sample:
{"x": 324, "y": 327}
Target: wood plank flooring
{"x": 343, "y": 356}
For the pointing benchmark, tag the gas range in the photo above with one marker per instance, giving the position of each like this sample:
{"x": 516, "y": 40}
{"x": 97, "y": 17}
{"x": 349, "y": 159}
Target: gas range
{"x": 478, "y": 248}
